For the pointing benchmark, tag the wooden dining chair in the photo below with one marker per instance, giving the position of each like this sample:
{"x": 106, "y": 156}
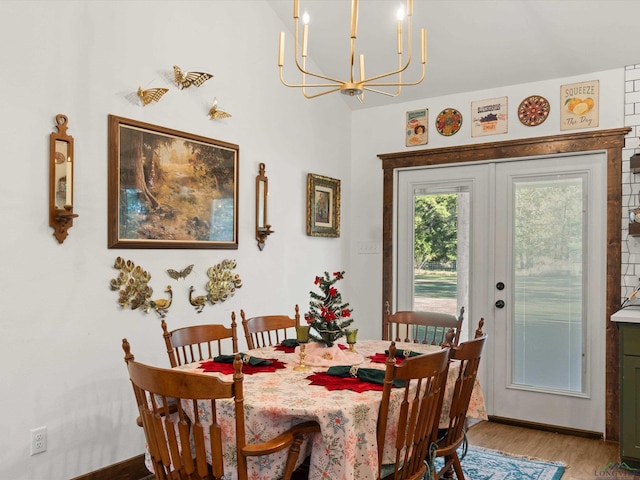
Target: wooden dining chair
{"x": 176, "y": 433}
{"x": 269, "y": 330}
{"x": 421, "y": 327}
{"x": 468, "y": 354}
{"x": 479, "y": 331}
{"x": 425, "y": 378}
{"x": 199, "y": 342}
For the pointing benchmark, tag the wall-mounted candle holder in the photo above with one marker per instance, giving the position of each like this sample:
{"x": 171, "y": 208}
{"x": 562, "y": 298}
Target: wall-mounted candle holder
{"x": 61, "y": 180}
{"x": 263, "y": 229}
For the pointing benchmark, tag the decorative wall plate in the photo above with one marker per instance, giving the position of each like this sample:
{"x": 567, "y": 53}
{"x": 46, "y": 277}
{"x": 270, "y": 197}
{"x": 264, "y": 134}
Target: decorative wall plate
{"x": 448, "y": 122}
{"x": 533, "y": 110}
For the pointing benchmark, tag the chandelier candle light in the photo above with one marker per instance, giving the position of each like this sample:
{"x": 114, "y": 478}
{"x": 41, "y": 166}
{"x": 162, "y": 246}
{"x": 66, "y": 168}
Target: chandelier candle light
{"x": 352, "y": 87}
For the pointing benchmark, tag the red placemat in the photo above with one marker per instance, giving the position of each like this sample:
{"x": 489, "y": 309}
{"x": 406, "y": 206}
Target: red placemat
{"x": 284, "y": 349}
{"x": 382, "y": 358}
{"x": 226, "y": 368}
{"x": 331, "y": 382}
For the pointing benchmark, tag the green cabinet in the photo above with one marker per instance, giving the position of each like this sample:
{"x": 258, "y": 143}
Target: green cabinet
{"x": 630, "y": 394}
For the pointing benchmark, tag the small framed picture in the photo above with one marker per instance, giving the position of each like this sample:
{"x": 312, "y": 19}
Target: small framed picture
{"x": 323, "y": 206}
{"x": 489, "y": 117}
{"x": 579, "y": 105}
{"x": 416, "y": 131}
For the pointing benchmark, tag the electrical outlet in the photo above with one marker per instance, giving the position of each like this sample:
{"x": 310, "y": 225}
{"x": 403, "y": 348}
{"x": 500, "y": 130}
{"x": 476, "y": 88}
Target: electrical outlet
{"x": 38, "y": 440}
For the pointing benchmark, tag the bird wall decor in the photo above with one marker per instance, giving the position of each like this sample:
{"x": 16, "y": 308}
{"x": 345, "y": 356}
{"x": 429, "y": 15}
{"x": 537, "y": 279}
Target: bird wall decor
{"x": 222, "y": 282}
{"x": 198, "y": 302}
{"x": 161, "y": 305}
{"x": 132, "y": 284}
{"x": 215, "y": 114}
{"x": 151, "y": 95}
{"x": 185, "y": 80}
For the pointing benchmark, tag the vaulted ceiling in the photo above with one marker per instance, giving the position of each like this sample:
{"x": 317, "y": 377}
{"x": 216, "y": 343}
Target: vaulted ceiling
{"x": 471, "y": 44}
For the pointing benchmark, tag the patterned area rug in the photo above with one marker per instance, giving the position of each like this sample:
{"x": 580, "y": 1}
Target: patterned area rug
{"x": 483, "y": 464}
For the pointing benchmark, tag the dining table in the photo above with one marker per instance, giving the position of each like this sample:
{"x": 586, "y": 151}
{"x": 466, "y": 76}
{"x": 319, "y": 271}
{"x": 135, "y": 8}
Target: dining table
{"x": 280, "y": 395}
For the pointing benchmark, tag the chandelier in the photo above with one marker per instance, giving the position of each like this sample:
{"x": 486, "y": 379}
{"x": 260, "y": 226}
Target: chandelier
{"x": 352, "y": 86}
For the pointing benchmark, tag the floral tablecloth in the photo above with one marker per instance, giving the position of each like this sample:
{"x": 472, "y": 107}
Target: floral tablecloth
{"x": 347, "y": 446}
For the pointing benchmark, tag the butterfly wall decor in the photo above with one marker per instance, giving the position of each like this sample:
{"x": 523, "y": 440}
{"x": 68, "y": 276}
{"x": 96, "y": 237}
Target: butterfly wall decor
{"x": 185, "y": 80}
{"x": 216, "y": 114}
{"x": 176, "y": 275}
{"x": 151, "y": 95}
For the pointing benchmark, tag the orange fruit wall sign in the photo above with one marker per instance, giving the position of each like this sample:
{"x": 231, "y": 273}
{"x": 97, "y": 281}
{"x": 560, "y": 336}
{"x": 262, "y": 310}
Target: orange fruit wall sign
{"x": 579, "y": 106}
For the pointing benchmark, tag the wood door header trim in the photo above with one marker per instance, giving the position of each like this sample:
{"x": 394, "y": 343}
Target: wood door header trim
{"x": 597, "y": 140}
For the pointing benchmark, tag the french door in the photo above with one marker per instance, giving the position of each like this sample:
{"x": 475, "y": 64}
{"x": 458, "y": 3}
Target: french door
{"x": 531, "y": 259}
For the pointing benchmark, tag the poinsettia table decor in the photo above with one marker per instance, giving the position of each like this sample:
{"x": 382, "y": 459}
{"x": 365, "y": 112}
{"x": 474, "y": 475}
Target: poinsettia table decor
{"x": 328, "y": 316}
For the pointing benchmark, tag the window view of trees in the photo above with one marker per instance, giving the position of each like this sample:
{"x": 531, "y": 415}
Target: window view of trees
{"x": 435, "y": 252}
{"x": 436, "y": 230}
{"x": 548, "y": 225}
{"x": 548, "y": 311}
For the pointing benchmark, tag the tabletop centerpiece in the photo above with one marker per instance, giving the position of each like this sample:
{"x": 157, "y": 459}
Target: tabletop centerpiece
{"x": 328, "y": 316}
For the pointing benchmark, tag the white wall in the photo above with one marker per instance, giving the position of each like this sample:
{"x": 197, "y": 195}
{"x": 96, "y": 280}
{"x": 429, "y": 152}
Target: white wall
{"x": 381, "y": 130}
{"x": 60, "y": 322}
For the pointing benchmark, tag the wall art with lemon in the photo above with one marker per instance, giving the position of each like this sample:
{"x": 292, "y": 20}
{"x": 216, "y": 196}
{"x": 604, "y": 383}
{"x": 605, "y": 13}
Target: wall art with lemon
{"x": 579, "y": 105}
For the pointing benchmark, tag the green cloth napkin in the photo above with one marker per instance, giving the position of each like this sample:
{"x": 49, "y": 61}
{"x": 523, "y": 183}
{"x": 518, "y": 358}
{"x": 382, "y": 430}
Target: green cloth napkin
{"x": 249, "y": 360}
{"x": 290, "y": 342}
{"x": 400, "y": 353}
{"x": 371, "y": 375}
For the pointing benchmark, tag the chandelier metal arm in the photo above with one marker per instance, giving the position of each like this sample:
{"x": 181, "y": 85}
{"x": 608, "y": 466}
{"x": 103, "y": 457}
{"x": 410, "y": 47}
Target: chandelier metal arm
{"x": 296, "y": 53}
{"x": 303, "y": 70}
{"x": 304, "y": 92}
{"x": 305, "y": 85}
{"x": 304, "y": 73}
{"x": 401, "y": 84}
{"x": 402, "y": 68}
{"x": 301, "y": 85}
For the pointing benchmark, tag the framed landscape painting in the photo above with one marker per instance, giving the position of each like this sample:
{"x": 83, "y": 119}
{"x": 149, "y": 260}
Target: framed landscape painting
{"x": 323, "y": 206}
{"x": 170, "y": 189}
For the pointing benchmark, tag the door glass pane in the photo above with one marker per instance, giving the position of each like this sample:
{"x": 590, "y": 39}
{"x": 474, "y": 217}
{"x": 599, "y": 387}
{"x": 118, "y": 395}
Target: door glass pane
{"x": 440, "y": 247}
{"x": 548, "y": 253}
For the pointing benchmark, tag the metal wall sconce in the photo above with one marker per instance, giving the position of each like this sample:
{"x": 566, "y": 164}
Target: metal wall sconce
{"x": 263, "y": 229}
{"x": 61, "y": 180}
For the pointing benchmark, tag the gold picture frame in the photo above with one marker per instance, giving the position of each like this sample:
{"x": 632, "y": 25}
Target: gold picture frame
{"x": 323, "y": 206}
{"x": 170, "y": 189}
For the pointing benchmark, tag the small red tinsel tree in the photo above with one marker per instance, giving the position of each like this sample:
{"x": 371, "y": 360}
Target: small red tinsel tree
{"x": 327, "y": 315}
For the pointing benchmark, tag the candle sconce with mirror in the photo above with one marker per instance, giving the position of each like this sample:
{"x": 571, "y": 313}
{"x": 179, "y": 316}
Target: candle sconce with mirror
{"x": 61, "y": 162}
{"x": 263, "y": 229}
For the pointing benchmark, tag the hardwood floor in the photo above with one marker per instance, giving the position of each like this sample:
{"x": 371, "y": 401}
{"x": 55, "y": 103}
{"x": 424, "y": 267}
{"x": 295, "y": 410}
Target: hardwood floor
{"x": 582, "y": 456}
